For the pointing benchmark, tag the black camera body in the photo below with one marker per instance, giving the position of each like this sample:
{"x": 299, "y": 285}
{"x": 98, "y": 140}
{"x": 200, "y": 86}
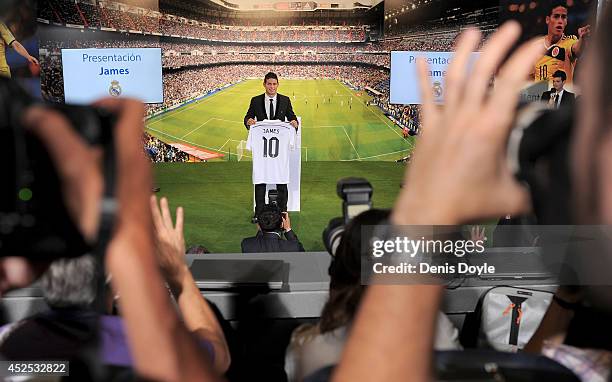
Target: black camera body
{"x": 356, "y": 195}
{"x": 273, "y": 198}
{"x": 34, "y": 220}
{"x": 538, "y": 154}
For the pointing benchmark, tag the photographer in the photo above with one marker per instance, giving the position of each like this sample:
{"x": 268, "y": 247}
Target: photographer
{"x": 272, "y": 225}
{"x": 161, "y": 346}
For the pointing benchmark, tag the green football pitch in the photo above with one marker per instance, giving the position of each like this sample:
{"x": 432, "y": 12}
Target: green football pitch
{"x": 337, "y": 124}
{"x": 218, "y": 198}
{"x": 341, "y": 137}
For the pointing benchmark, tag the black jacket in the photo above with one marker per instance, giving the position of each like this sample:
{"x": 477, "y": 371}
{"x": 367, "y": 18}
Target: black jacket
{"x": 258, "y": 110}
{"x": 265, "y": 242}
{"x": 568, "y": 98}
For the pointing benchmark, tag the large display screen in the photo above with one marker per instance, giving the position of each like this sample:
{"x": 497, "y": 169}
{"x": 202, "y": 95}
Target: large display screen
{"x": 405, "y": 80}
{"x": 91, "y": 74}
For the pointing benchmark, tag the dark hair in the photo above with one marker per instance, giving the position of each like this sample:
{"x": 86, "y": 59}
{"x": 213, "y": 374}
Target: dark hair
{"x": 555, "y": 4}
{"x": 270, "y": 218}
{"x": 560, "y": 74}
{"x": 197, "y": 249}
{"x": 345, "y": 289}
{"x": 270, "y": 75}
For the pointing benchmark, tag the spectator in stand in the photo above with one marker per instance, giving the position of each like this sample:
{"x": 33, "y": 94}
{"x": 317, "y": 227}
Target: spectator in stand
{"x": 159, "y": 151}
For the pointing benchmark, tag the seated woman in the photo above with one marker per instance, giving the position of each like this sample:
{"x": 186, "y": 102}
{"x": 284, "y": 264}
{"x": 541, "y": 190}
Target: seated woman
{"x": 315, "y": 346}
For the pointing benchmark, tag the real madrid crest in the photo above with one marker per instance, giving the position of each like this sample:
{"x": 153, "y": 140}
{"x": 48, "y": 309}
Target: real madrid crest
{"x": 437, "y": 89}
{"x": 115, "y": 89}
{"x": 555, "y": 51}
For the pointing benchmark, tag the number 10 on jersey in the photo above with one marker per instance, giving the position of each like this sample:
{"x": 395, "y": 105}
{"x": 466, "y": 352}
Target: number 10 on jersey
{"x": 270, "y": 147}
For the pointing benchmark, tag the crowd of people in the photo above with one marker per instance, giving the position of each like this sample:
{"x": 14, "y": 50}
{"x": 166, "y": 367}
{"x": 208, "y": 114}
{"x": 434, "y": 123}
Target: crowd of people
{"x": 159, "y": 151}
{"x": 177, "y": 61}
{"x": 69, "y": 12}
{"x": 175, "y": 55}
{"x": 403, "y": 115}
{"x": 188, "y": 84}
{"x": 201, "y": 78}
{"x": 134, "y": 306}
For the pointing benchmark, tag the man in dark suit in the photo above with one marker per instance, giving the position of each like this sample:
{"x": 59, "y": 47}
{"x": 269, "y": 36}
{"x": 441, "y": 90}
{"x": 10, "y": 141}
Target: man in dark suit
{"x": 270, "y": 105}
{"x": 557, "y": 96}
{"x": 269, "y": 238}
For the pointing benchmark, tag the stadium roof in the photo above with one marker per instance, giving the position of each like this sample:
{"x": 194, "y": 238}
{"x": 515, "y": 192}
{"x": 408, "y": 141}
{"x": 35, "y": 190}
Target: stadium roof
{"x": 279, "y": 5}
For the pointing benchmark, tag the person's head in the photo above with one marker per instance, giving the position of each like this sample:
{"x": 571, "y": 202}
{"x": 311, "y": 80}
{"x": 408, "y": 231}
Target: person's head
{"x": 559, "y": 78}
{"x": 197, "y": 250}
{"x": 270, "y": 218}
{"x": 271, "y": 84}
{"x": 70, "y": 283}
{"x": 556, "y": 19}
{"x": 345, "y": 289}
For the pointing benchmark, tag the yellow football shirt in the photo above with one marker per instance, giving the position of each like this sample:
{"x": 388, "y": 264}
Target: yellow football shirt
{"x": 6, "y": 39}
{"x": 558, "y": 56}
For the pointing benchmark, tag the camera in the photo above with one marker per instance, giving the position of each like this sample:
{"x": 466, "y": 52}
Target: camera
{"x": 538, "y": 154}
{"x": 34, "y": 220}
{"x": 356, "y": 194}
{"x": 273, "y": 198}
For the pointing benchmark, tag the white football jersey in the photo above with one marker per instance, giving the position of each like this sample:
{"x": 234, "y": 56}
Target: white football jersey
{"x": 270, "y": 142}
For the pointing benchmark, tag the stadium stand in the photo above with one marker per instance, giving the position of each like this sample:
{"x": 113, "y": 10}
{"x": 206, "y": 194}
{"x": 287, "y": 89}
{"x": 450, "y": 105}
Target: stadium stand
{"x": 203, "y": 55}
{"x": 129, "y": 18}
{"x": 158, "y": 151}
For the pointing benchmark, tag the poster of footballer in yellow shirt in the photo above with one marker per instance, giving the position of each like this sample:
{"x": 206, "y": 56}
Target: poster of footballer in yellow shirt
{"x": 19, "y": 44}
{"x": 562, "y": 27}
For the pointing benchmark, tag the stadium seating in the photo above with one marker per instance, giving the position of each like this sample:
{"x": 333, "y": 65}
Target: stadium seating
{"x": 214, "y": 50}
{"x": 144, "y": 20}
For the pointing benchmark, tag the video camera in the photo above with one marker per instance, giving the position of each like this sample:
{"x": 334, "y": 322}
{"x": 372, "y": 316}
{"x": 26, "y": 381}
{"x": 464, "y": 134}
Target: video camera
{"x": 34, "y": 220}
{"x": 356, "y": 194}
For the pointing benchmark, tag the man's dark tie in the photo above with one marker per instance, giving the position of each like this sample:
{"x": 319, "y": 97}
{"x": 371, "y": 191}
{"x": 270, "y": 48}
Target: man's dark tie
{"x": 271, "y": 108}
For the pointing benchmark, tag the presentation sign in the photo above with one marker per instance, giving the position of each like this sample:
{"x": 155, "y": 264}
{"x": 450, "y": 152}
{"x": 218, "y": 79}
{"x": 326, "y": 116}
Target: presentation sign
{"x": 91, "y": 74}
{"x": 405, "y": 80}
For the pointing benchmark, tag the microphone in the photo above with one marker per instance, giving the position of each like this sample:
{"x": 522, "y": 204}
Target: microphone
{"x": 553, "y": 96}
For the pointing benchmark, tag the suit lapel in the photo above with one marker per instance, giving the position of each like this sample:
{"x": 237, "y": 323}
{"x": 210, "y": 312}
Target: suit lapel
{"x": 263, "y": 105}
{"x": 278, "y": 105}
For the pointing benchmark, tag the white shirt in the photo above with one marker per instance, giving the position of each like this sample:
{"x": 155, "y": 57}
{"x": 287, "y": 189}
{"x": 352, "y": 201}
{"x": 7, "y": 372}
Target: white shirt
{"x": 270, "y": 142}
{"x": 267, "y": 104}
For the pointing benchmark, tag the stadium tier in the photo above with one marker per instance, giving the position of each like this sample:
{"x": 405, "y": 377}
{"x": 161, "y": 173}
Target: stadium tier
{"x": 117, "y": 17}
{"x": 438, "y": 18}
